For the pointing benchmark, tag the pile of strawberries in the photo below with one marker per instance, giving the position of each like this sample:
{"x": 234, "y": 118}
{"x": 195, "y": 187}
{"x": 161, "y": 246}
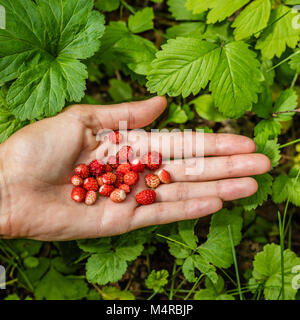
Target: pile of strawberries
{"x": 117, "y": 177}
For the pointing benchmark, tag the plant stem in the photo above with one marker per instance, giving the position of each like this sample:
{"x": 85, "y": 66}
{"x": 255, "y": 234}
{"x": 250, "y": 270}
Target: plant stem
{"x": 127, "y": 6}
{"x": 281, "y": 227}
{"x": 235, "y": 263}
{"x": 194, "y": 286}
{"x": 289, "y": 143}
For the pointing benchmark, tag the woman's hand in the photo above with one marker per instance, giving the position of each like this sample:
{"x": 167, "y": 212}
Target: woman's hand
{"x": 37, "y": 162}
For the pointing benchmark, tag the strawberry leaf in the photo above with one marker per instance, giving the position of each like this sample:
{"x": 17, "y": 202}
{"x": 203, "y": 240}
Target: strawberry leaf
{"x": 43, "y": 49}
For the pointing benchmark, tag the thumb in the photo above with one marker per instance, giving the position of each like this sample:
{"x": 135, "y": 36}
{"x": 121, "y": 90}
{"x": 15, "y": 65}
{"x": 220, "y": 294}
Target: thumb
{"x": 138, "y": 114}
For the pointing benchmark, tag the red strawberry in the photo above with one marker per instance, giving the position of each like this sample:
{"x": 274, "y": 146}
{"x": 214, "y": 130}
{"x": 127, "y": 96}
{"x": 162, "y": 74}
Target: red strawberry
{"x": 146, "y": 197}
{"x": 118, "y": 195}
{"x": 90, "y": 184}
{"x": 164, "y": 176}
{"x": 78, "y": 194}
{"x": 76, "y": 181}
{"x": 108, "y": 168}
{"x": 131, "y": 178}
{"x": 106, "y": 190}
{"x": 82, "y": 170}
{"x": 137, "y": 165}
{"x": 100, "y": 181}
{"x": 90, "y": 198}
{"x": 120, "y": 179}
{"x": 113, "y": 161}
{"x": 125, "y": 154}
{"x": 124, "y": 168}
{"x": 115, "y": 137}
{"x": 152, "y": 180}
{"x": 109, "y": 178}
{"x": 152, "y": 160}
{"x": 96, "y": 168}
{"x": 125, "y": 187}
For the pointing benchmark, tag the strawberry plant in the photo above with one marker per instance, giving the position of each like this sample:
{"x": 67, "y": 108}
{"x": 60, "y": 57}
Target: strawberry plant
{"x": 225, "y": 66}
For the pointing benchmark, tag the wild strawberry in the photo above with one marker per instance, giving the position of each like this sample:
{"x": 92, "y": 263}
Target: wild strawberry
{"x": 124, "y": 168}
{"x": 109, "y": 178}
{"x": 125, "y": 154}
{"x": 164, "y": 176}
{"x": 119, "y": 179}
{"x": 90, "y": 198}
{"x": 90, "y": 184}
{"x": 115, "y": 137}
{"x": 96, "y": 168}
{"x": 125, "y": 187}
{"x": 137, "y": 165}
{"x": 152, "y": 180}
{"x": 146, "y": 197}
{"x": 108, "y": 168}
{"x": 76, "y": 181}
{"x": 82, "y": 170}
{"x": 152, "y": 160}
{"x": 118, "y": 195}
{"x": 131, "y": 178}
{"x": 106, "y": 190}
{"x": 113, "y": 161}
{"x": 100, "y": 181}
{"x": 78, "y": 194}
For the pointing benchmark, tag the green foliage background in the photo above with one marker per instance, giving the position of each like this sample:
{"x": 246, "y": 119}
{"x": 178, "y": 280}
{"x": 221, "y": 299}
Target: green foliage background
{"x": 226, "y": 66}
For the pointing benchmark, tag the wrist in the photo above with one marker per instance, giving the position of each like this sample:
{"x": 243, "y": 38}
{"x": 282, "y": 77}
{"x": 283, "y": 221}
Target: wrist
{"x": 4, "y": 210}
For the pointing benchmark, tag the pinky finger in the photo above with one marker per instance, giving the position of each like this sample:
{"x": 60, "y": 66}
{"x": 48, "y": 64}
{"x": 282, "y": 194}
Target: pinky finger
{"x": 167, "y": 212}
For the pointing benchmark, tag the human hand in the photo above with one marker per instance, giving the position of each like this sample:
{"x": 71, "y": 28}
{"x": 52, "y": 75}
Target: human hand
{"x": 37, "y": 162}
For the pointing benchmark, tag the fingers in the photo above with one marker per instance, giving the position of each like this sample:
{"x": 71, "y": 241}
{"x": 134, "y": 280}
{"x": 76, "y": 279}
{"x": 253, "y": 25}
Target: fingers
{"x": 175, "y": 144}
{"x": 138, "y": 114}
{"x": 167, "y": 212}
{"x": 227, "y": 190}
{"x": 221, "y": 167}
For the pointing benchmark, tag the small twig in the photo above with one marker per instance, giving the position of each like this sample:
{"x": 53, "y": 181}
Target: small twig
{"x": 289, "y": 111}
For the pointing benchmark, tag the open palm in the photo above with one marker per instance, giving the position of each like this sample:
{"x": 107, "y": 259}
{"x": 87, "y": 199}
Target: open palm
{"x": 37, "y": 163}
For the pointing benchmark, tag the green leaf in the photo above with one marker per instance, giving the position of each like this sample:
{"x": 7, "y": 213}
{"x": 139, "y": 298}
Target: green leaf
{"x": 279, "y": 34}
{"x": 176, "y": 114}
{"x": 42, "y": 51}
{"x": 157, "y": 280}
{"x": 270, "y": 148}
{"x": 287, "y": 101}
{"x": 213, "y": 291}
{"x": 176, "y": 71}
{"x": 186, "y": 231}
{"x": 107, "y": 5}
{"x": 141, "y": 21}
{"x": 264, "y": 106}
{"x": 205, "y": 107}
{"x": 217, "y": 248}
{"x": 264, "y": 190}
{"x": 295, "y": 62}
{"x": 196, "y": 261}
{"x": 232, "y": 91}
{"x": 120, "y": 90}
{"x": 253, "y": 18}
{"x": 104, "y": 268}
{"x": 54, "y": 286}
{"x": 176, "y": 249}
{"x": 220, "y": 9}
{"x": 267, "y": 129}
{"x": 268, "y": 74}
{"x": 285, "y": 188}
{"x": 186, "y": 29}
{"x": 101, "y": 245}
{"x": 136, "y": 52}
{"x": 35, "y": 274}
{"x": 267, "y": 270}
{"x": 180, "y": 12}
{"x": 113, "y": 293}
